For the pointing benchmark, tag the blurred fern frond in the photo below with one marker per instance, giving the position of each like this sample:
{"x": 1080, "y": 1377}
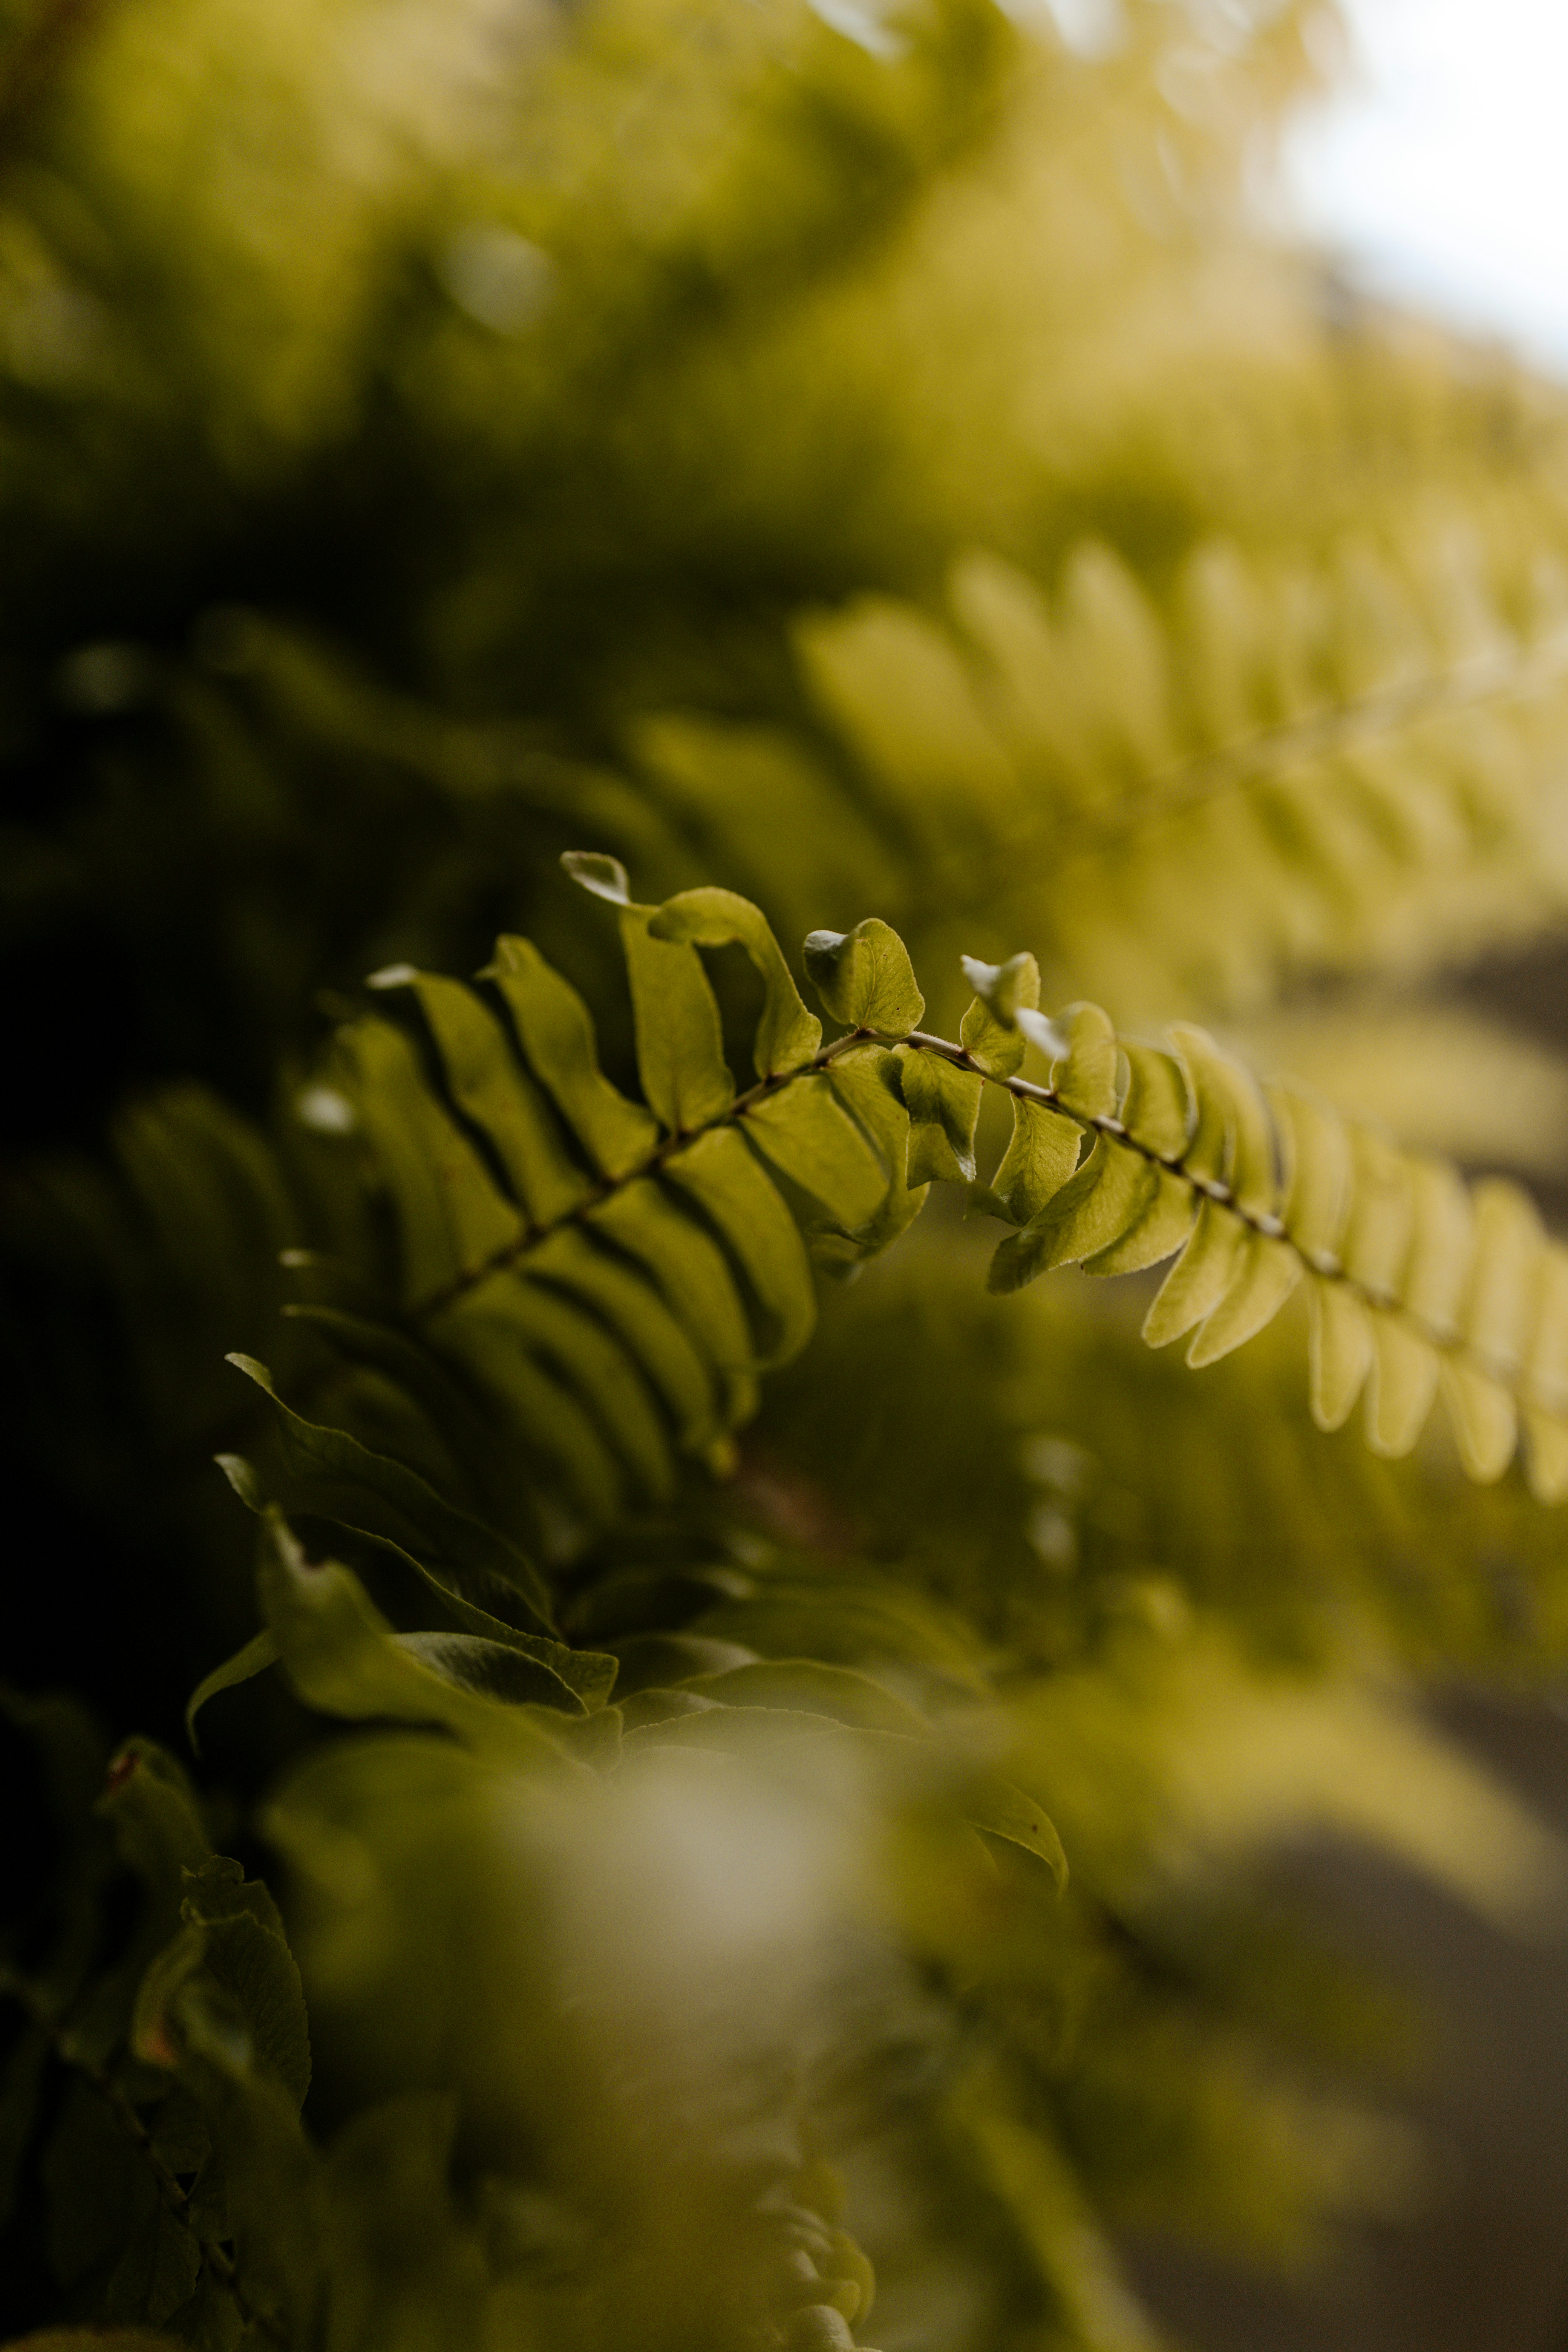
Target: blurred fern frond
{"x": 1443, "y": 1077}
{"x": 1356, "y": 765}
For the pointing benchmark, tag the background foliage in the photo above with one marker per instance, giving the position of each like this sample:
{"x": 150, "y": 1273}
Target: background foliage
{"x": 866, "y": 458}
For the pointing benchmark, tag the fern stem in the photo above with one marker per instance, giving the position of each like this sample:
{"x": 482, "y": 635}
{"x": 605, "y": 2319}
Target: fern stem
{"x": 1328, "y": 1267}
{"x": 765, "y": 1088}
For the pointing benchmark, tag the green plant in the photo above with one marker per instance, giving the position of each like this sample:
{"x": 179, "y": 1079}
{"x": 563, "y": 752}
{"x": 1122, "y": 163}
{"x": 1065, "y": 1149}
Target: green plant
{"x": 734, "y": 1720}
{"x": 559, "y": 1292}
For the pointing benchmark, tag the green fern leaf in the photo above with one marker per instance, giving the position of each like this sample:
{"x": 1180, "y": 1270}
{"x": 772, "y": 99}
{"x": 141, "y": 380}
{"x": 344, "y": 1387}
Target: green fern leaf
{"x": 720, "y": 1176}
{"x": 629, "y": 1327}
{"x": 1341, "y": 1351}
{"x": 1266, "y": 1272}
{"x": 341, "y": 1656}
{"x": 1085, "y": 1076}
{"x": 1415, "y": 1286}
{"x": 1155, "y": 1232}
{"x": 1101, "y": 1203}
{"x": 1042, "y": 1154}
{"x": 1156, "y": 1111}
{"x": 501, "y": 1102}
{"x": 331, "y": 1474}
{"x": 864, "y": 978}
{"x": 989, "y": 1032}
{"x": 1199, "y": 1279}
{"x": 811, "y": 1137}
{"x": 1229, "y": 1106}
{"x": 944, "y": 1105}
{"x": 787, "y": 1035}
{"x": 585, "y": 1288}
{"x": 865, "y": 1078}
{"x": 555, "y": 1033}
{"x": 680, "y": 1054}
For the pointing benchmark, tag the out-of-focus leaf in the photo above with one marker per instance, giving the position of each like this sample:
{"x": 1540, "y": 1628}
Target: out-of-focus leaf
{"x": 341, "y": 1656}
{"x": 260, "y": 1652}
{"x": 806, "y": 1685}
{"x": 330, "y": 1473}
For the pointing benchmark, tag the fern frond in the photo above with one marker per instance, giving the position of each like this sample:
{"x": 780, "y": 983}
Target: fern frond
{"x": 596, "y": 1283}
{"x": 1286, "y": 768}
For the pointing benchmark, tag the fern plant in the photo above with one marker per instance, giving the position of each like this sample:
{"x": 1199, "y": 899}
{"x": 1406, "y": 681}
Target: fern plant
{"x": 560, "y": 1292}
{"x": 732, "y": 1739}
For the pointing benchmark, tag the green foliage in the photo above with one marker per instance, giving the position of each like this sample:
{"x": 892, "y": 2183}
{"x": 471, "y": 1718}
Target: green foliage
{"x": 487, "y": 1142}
{"x": 599, "y": 1287}
{"x": 174, "y": 2151}
{"x": 743, "y": 1745}
{"x": 1269, "y": 768}
{"x": 494, "y": 1162}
